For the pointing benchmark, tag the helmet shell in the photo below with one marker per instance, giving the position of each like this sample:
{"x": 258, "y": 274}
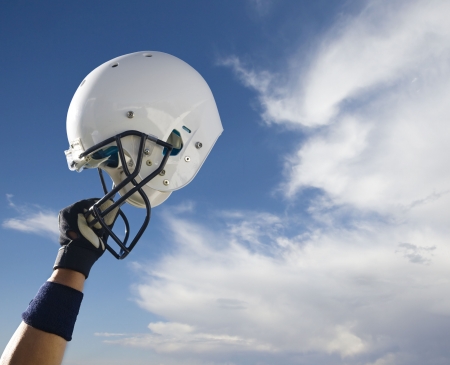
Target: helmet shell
{"x": 154, "y": 93}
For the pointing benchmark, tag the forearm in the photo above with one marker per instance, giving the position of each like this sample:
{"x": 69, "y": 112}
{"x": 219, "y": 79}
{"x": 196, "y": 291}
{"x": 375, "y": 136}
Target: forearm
{"x": 29, "y": 345}
{"x": 49, "y": 320}
{"x": 70, "y": 278}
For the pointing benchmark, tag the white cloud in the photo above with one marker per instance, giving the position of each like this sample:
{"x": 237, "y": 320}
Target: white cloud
{"x": 33, "y": 220}
{"x": 416, "y": 254}
{"x": 366, "y": 283}
{"x": 184, "y": 207}
{"x": 377, "y": 87}
{"x": 335, "y": 292}
{"x": 170, "y": 337}
{"x": 9, "y": 198}
{"x": 384, "y": 45}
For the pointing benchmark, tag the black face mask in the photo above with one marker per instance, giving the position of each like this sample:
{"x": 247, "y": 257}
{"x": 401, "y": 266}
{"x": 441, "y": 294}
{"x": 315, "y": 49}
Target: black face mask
{"x": 114, "y": 154}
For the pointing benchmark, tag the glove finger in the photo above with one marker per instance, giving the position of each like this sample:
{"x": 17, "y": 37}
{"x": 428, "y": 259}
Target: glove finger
{"x": 87, "y": 232}
{"x": 68, "y": 216}
{"x": 103, "y": 245}
{"x": 109, "y": 218}
{"x": 112, "y": 215}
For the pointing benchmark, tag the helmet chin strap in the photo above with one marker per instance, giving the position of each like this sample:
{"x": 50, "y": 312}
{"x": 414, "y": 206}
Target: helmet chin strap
{"x": 99, "y": 216}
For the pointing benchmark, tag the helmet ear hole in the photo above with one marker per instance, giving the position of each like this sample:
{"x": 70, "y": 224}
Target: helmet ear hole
{"x": 111, "y": 153}
{"x": 176, "y": 141}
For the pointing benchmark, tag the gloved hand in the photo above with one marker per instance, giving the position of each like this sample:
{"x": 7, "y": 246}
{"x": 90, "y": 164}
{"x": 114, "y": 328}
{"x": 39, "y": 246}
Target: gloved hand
{"x": 81, "y": 245}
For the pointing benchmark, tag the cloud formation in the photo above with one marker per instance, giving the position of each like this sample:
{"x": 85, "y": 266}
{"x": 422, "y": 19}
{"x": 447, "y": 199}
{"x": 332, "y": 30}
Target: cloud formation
{"x": 366, "y": 282}
{"x": 374, "y": 104}
{"x": 32, "y": 220}
{"x": 337, "y": 293}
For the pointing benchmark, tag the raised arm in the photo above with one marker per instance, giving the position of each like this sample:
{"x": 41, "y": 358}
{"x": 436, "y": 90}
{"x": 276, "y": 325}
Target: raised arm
{"x": 49, "y": 320}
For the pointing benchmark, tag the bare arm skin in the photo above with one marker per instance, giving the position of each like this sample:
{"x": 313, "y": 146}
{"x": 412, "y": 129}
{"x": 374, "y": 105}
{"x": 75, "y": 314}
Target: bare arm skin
{"x": 30, "y": 346}
{"x": 80, "y": 249}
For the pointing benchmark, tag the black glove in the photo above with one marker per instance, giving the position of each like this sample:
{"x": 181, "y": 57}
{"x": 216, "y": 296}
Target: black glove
{"x": 81, "y": 245}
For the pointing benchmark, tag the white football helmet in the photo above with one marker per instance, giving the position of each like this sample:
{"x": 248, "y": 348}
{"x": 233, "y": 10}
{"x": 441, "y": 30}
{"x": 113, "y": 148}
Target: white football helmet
{"x": 148, "y": 120}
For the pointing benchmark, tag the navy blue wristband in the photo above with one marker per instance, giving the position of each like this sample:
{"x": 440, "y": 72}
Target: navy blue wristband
{"x": 54, "y": 309}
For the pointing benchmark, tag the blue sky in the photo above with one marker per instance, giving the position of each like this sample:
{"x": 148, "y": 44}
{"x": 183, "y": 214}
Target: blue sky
{"x": 317, "y": 230}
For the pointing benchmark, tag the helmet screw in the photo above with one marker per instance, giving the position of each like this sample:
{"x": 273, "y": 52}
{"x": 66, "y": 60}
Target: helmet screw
{"x": 187, "y": 158}
{"x": 130, "y": 163}
{"x": 198, "y": 145}
{"x": 162, "y": 173}
{"x": 130, "y": 114}
{"x": 148, "y": 163}
{"x": 166, "y": 182}
{"x": 146, "y": 151}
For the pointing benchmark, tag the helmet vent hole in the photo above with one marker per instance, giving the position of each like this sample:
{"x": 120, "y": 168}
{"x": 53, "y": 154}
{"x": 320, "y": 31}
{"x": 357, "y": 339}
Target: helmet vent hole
{"x": 115, "y": 65}
{"x": 186, "y": 129}
{"x": 82, "y": 82}
{"x": 148, "y": 55}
